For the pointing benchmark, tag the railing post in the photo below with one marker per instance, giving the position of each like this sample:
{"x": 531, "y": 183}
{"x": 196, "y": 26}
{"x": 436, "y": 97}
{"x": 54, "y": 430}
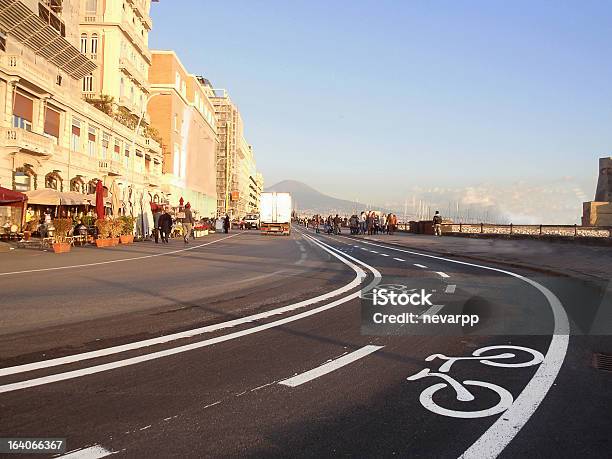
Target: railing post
{"x": 460, "y": 229}
{"x": 540, "y": 230}
{"x": 575, "y": 230}
{"x": 511, "y": 228}
{"x": 481, "y": 228}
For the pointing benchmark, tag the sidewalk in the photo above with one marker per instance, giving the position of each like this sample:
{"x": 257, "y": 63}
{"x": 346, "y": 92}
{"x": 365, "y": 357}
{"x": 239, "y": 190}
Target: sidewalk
{"x": 561, "y": 258}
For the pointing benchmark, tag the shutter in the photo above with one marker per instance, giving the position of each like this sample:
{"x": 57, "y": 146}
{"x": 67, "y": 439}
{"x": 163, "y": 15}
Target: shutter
{"x": 92, "y": 137}
{"x": 52, "y": 122}
{"x": 117, "y": 149}
{"x": 23, "y": 107}
{"x": 76, "y": 130}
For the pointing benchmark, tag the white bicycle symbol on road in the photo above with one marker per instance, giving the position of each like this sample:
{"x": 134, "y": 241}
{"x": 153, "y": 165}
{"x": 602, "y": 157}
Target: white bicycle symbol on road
{"x": 462, "y": 393}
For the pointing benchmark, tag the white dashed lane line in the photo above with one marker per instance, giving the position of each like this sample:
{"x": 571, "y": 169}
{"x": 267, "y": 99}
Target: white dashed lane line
{"x": 420, "y": 266}
{"x": 384, "y": 255}
{"x": 441, "y": 274}
{"x": 399, "y": 259}
{"x": 373, "y": 251}
{"x": 450, "y": 289}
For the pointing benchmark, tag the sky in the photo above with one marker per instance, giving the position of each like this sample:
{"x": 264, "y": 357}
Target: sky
{"x": 497, "y": 105}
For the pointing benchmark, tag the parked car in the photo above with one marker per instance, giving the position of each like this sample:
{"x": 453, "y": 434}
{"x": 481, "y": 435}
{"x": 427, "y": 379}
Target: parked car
{"x": 251, "y": 221}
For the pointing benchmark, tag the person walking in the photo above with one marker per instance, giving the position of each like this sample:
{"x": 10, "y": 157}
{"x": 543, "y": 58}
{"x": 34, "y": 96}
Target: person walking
{"x": 336, "y": 224}
{"x": 165, "y": 225}
{"x": 437, "y": 224}
{"x": 362, "y": 223}
{"x": 226, "y": 224}
{"x": 156, "y": 215}
{"x": 188, "y": 222}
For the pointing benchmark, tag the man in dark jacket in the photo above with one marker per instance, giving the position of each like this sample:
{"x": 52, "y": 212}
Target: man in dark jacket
{"x": 226, "y": 224}
{"x": 156, "y": 215}
{"x": 437, "y": 224}
{"x": 165, "y": 225}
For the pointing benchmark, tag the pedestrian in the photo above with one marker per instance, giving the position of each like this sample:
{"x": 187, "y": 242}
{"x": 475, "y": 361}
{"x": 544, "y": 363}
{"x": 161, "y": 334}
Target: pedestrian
{"x": 226, "y": 224}
{"x": 165, "y": 225}
{"x": 362, "y": 221}
{"x": 336, "y": 224}
{"x": 188, "y": 222}
{"x": 156, "y": 215}
{"x": 437, "y": 224}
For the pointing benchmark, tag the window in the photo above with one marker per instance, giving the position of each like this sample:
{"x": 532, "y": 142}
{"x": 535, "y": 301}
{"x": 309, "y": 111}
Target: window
{"x": 91, "y": 141}
{"x": 91, "y": 6}
{"x": 75, "y": 136}
{"x": 25, "y": 179}
{"x": 117, "y": 150}
{"x": 126, "y": 157}
{"x": 2, "y": 41}
{"x": 78, "y": 184}
{"x": 105, "y": 141}
{"x": 121, "y": 88}
{"x": 23, "y": 108}
{"x": 84, "y": 43}
{"x": 132, "y": 94}
{"x": 52, "y": 122}
{"x": 94, "y": 44}
{"x": 53, "y": 181}
{"x": 88, "y": 83}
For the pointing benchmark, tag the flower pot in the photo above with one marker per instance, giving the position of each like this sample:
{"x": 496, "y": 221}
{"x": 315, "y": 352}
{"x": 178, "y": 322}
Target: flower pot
{"x": 103, "y": 242}
{"x": 126, "y": 239}
{"x": 61, "y": 247}
{"x": 114, "y": 241}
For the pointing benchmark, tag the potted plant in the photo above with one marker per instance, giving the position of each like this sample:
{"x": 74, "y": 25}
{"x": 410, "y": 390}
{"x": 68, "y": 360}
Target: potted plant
{"x": 103, "y": 239}
{"x": 62, "y": 228}
{"x": 127, "y": 229}
{"x": 116, "y": 226}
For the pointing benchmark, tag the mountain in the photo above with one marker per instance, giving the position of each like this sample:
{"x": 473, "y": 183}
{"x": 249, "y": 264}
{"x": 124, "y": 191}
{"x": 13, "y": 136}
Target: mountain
{"x": 310, "y": 201}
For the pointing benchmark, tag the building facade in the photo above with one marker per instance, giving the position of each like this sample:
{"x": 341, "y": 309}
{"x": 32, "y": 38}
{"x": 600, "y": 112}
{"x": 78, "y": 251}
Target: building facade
{"x": 50, "y": 136}
{"x": 182, "y": 112}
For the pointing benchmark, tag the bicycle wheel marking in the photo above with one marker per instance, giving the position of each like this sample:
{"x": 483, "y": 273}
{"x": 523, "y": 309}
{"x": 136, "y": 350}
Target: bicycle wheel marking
{"x": 462, "y": 393}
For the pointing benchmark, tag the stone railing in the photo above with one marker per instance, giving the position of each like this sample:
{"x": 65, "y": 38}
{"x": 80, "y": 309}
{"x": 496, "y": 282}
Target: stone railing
{"x": 467, "y": 229}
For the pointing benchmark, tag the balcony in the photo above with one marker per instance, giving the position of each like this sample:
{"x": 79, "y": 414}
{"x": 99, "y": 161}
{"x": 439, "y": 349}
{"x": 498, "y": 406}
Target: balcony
{"x": 35, "y": 73}
{"x": 28, "y": 142}
{"x": 109, "y": 167}
{"x": 134, "y": 73}
{"x": 136, "y": 38}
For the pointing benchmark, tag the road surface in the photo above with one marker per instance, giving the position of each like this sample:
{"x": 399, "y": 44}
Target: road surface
{"x": 251, "y": 346}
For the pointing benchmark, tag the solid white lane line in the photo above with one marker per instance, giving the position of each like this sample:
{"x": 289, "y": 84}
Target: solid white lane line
{"x": 450, "y": 289}
{"x": 500, "y": 434}
{"x": 420, "y": 266}
{"x": 85, "y": 265}
{"x": 441, "y": 274}
{"x": 209, "y": 342}
{"x": 399, "y": 259}
{"x": 330, "y": 366}
{"x": 93, "y": 452}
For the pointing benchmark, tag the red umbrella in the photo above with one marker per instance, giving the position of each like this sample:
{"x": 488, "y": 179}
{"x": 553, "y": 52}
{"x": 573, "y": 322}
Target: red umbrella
{"x": 100, "y": 199}
{"x": 181, "y": 201}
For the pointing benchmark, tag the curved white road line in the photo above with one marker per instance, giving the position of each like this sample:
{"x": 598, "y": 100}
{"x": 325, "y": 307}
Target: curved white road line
{"x": 98, "y": 263}
{"x": 501, "y": 433}
{"x": 360, "y": 275}
{"x": 184, "y": 334}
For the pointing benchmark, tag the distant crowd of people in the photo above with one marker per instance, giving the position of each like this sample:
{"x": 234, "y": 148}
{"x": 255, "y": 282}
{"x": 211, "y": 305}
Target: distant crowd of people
{"x": 367, "y": 222}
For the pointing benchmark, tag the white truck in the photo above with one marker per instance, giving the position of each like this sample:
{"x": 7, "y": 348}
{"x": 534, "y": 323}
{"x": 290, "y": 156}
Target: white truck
{"x": 275, "y": 213}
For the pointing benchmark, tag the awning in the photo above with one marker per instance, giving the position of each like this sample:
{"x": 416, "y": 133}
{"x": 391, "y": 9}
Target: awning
{"x": 10, "y": 197}
{"x": 49, "y": 197}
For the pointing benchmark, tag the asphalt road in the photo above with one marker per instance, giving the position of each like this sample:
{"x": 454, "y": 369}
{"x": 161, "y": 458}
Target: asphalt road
{"x": 252, "y": 346}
